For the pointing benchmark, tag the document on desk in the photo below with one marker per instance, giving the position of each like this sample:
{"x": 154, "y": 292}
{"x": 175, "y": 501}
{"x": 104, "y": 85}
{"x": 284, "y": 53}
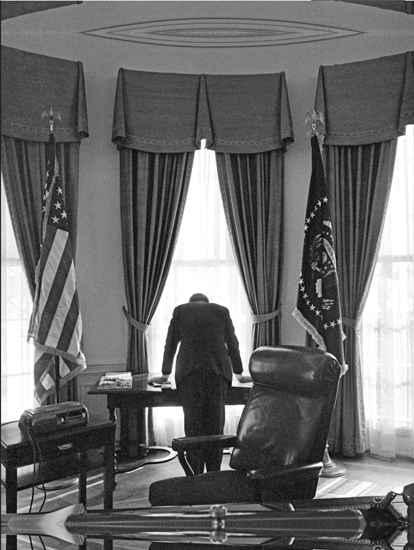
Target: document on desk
{"x": 116, "y": 380}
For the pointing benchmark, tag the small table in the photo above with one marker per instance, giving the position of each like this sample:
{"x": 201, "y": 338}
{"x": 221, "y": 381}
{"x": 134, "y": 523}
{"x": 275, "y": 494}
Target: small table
{"x": 64, "y": 453}
{"x": 143, "y": 395}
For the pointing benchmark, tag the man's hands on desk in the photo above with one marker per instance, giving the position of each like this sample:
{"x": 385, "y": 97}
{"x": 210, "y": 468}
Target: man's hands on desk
{"x": 244, "y": 377}
{"x": 158, "y": 380}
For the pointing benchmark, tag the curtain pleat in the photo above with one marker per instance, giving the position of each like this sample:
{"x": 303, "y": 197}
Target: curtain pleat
{"x": 24, "y": 173}
{"x": 252, "y": 192}
{"x": 171, "y": 112}
{"x": 360, "y": 180}
{"x": 367, "y": 101}
{"x": 154, "y": 188}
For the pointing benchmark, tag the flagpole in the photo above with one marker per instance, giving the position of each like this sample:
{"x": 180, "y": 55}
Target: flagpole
{"x": 51, "y": 114}
{"x": 314, "y": 326}
{"x": 55, "y": 326}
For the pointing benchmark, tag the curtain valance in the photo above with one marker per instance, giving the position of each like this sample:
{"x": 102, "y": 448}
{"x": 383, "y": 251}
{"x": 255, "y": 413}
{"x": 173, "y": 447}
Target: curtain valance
{"x": 31, "y": 83}
{"x": 166, "y": 112}
{"x": 368, "y": 101}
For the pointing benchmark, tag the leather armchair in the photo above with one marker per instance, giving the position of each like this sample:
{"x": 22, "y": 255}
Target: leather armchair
{"x": 281, "y": 438}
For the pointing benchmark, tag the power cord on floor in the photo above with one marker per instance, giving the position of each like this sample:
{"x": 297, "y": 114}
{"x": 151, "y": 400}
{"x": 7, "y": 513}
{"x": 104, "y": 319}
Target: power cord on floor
{"x": 28, "y": 433}
{"x": 30, "y": 436}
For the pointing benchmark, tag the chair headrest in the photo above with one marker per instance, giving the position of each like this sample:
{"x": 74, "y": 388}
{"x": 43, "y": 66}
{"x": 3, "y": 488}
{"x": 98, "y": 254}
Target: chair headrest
{"x": 298, "y": 369}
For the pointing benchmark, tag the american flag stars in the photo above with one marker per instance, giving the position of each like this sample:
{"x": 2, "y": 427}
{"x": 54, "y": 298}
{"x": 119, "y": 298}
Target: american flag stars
{"x": 58, "y": 216}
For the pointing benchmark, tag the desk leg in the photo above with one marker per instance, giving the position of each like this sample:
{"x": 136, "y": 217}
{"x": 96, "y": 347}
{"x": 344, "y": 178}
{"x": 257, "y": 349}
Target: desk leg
{"x": 135, "y": 453}
{"x": 82, "y": 479}
{"x": 11, "y": 503}
{"x": 133, "y": 434}
{"x": 11, "y": 490}
{"x": 112, "y": 414}
{"x": 109, "y": 475}
{"x": 11, "y": 542}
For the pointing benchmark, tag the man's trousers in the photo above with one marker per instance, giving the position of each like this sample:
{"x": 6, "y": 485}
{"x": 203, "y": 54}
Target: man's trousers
{"x": 203, "y": 396}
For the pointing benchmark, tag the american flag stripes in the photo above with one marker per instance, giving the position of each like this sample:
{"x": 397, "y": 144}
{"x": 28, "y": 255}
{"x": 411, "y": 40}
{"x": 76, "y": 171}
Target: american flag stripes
{"x": 56, "y": 322}
{"x": 318, "y": 307}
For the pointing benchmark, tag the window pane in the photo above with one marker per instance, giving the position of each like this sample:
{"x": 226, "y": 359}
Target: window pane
{"x": 203, "y": 262}
{"x": 16, "y": 307}
{"x": 388, "y": 319}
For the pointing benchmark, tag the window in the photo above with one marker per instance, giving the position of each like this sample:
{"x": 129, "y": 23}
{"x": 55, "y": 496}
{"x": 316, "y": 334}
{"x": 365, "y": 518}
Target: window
{"x": 203, "y": 262}
{"x": 16, "y": 307}
{"x": 388, "y": 320}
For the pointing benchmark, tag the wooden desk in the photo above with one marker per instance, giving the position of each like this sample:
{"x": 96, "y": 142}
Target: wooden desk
{"x": 142, "y": 396}
{"x": 64, "y": 453}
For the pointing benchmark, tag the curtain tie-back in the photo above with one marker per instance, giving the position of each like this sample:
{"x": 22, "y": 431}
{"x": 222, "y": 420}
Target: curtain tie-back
{"x": 353, "y": 323}
{"x": 140, "y": 326}
{"x": 261, "y": 318}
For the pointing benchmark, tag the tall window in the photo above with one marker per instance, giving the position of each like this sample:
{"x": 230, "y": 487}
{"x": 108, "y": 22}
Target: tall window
{"x": 203, "y": 262}
{"x": 16, "y": 308}
{"x": 388, "y": 320}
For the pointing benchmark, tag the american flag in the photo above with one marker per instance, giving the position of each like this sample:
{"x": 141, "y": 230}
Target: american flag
{"x": 318, "y": 307}
{"x": 56, "y": 322}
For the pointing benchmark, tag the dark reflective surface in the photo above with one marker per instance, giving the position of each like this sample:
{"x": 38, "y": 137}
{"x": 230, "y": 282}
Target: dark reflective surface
{"x": 343, "y": 523}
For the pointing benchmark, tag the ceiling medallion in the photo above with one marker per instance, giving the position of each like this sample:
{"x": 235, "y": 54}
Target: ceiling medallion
{"x": 217, "y": 32}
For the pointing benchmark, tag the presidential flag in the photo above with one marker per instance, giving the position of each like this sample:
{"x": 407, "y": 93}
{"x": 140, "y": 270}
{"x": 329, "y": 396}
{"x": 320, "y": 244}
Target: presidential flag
{"x": 56, "y": 322}
{"x": 318, "y": 307}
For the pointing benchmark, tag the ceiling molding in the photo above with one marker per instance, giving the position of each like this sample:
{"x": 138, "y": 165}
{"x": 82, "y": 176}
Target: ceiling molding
{"x": 217, "y": 32}
{"x": 17, "y": 9}
{"x": 404, "y": 6}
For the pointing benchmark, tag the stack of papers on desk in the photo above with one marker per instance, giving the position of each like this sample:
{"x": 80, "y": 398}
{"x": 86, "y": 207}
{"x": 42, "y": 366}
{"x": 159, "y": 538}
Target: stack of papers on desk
{"x": 116, "y": 380}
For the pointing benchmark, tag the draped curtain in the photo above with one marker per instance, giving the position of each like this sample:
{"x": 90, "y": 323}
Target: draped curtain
{"x": 153, "y": 191}
{"x": 31, "y": 83}
{"x": 165, "y": 114}
{"x": 360, "y": 180}
{"x": 360, "y": 143}
{"x": 252, "y": 192}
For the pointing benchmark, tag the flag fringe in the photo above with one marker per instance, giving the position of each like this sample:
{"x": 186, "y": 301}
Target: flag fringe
{"x": 315, "y": 335}
{"x": 52, "y": 390}
{"x": 309, "y": 328}
{"x": 79, "y": 360}
{"x": 41, "y": 398}
{"x": 68, "y": 377}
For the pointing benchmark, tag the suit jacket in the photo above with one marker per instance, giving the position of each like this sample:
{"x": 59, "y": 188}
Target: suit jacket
{"x": 207, "y": 340}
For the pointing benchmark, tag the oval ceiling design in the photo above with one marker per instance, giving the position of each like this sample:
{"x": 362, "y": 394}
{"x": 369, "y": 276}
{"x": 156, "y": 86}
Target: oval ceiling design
{"x": 221, "y": 32}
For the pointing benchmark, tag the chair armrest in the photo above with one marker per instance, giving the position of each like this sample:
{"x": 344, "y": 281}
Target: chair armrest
{"x": 274, "y": 478}
{"x": 284, "y": 474}
{"x": 181, "y": 444}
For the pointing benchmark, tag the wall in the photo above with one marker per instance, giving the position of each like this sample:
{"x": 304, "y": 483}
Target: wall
{"x": 99, "y": 255}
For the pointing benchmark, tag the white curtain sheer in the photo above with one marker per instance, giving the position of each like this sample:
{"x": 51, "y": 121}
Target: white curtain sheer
{"x": 203, "y": 262}
{"x": 388, "y": 321}
{"x": 16, "y": 308}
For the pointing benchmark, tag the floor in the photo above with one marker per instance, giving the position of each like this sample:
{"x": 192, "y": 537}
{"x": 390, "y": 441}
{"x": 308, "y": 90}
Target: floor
{"x": 365, "y": 475}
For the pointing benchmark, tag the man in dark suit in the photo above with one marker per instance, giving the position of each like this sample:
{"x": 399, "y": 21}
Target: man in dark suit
{"x": 207, "y": 356}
